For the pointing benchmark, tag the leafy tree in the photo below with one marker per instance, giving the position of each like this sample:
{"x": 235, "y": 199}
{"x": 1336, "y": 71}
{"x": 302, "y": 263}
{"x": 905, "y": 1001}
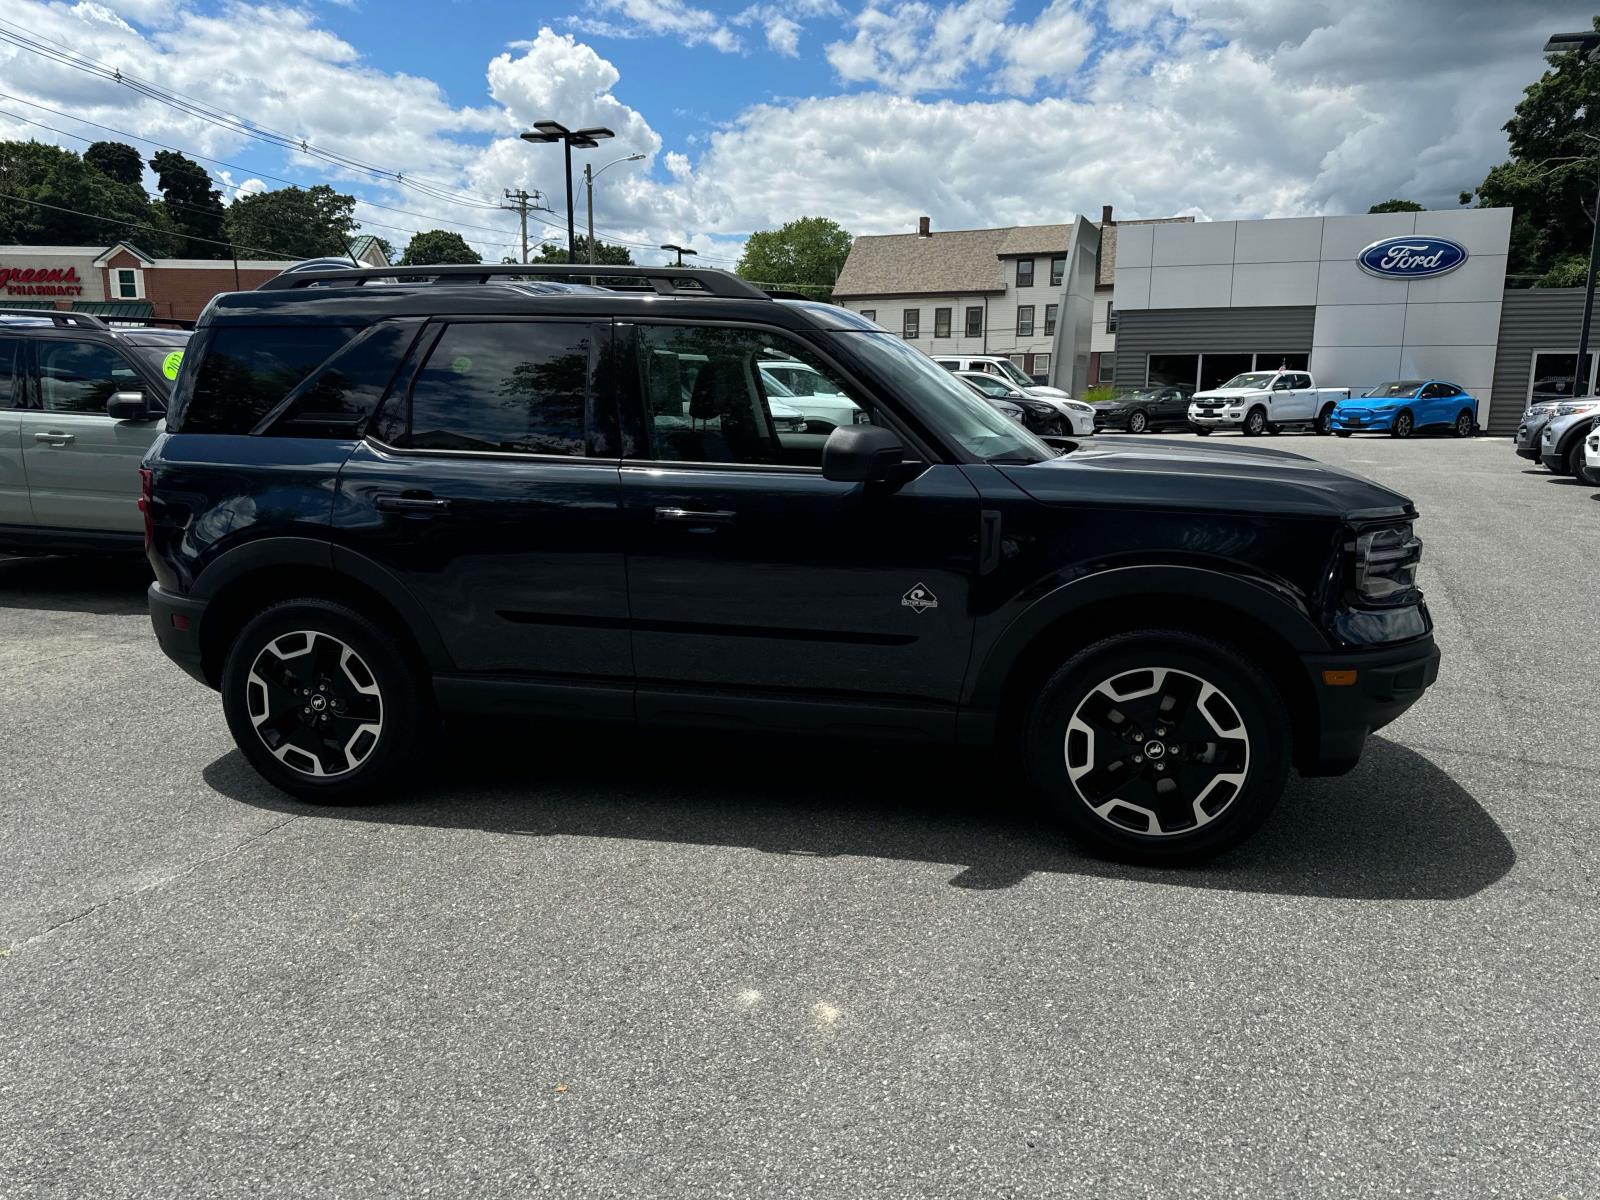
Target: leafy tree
{"x": 116, "y": 160}
{"x": 438, "y": 246}
{"x": 193, "y": 204}
{"x": 61, "y": 200}
{"x": 604, "y": 252}
{"x": 1396, "y": 206}
{"x": 293, "y": 222}
{"x": 808, "y": 252}
{"x": 1550, "y": 178}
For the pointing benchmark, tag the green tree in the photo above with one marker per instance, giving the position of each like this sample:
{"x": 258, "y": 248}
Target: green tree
{"x": 1396, "y": 206}
{"x": 116, "y": 160}
{"x": 293, "y": 222}
{"x": 193, "y": 204}
{"x": 604, "y": 252}
{"x": 61, "y": 200}
{"x": 808, "y": 253}
{"x": 438, "y": 246}
{"x": 1550, "y": 177}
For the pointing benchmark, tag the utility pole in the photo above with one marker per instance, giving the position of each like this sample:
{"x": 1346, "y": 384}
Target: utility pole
{"x": 519, "y": 205}
{"x": 588, "y": 180}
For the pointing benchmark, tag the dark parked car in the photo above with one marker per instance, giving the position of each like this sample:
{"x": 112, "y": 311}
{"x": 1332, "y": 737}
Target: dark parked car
{"x": 1040, "y": 416}
{"x": 1146, "y": 411}
{"x": 452, "y": 493}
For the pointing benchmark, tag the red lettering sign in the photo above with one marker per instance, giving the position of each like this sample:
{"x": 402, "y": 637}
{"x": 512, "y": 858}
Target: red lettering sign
{"x": 41, "y": 281}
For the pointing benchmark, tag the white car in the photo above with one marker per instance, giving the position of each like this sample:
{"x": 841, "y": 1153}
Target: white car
{"x": 1591, "y": 456}
{"x": 1003, "y": 368}
{"x": 1258, "y": 402}
{"x": 1049, "y": 415}
{"x": 811, "y": 392}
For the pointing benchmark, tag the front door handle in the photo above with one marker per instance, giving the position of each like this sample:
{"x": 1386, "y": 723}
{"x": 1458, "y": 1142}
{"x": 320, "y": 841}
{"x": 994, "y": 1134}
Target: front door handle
{"x": 55, "y": 439}
{"x": 696, "y": 516}
{"x": 416, "y": 506}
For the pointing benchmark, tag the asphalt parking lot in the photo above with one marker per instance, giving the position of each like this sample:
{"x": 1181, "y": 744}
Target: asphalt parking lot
{"x": 607, "y": 965}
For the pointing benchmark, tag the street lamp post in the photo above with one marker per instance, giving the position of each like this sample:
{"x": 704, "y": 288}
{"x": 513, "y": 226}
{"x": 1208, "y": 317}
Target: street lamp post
{"x": 1587, "y": 46}
{"x": 588, "y": 179}
{"x": 583, "y": 139}
{"x": 682, "y": 250}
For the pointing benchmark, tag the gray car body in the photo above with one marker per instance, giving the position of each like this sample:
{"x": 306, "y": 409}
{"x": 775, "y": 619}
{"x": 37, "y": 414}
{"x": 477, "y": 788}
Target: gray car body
{"x": 1534, "y": 418}
{"x": 1559, "y": 436}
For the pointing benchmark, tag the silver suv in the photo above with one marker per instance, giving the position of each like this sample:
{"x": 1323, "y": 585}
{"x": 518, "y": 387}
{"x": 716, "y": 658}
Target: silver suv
{"x": 80, "y": 403}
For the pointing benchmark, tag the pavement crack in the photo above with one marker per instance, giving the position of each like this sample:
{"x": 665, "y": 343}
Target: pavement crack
{"x": 154, "y": 885}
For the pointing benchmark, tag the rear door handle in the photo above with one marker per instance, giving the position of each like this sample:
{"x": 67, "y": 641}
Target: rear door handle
{"x": 695, "y": 516}
{"x": 55, "y": 439}
{"x": 412, "y": 505}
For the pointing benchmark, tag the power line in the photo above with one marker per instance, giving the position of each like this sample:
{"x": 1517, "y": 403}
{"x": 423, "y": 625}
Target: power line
{"x": 152, "y": 228}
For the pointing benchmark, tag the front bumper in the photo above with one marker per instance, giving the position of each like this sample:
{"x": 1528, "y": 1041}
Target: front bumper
{"x": 1362, "y": 422}
{"x": 1386, "y": 683}
{"x": 1215, "y": 418}
{"x": 176, "y": 620}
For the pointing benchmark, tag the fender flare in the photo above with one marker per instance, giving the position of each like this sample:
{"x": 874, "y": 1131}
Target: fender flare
{"x": 1259, "y": 600}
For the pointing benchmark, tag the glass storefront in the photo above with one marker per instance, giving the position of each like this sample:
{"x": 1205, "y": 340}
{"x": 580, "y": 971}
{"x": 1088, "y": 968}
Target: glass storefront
{"x": 1203, "y": 371}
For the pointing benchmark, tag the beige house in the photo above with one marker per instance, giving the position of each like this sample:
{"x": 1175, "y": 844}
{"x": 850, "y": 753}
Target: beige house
{"x": 966, "y": 291}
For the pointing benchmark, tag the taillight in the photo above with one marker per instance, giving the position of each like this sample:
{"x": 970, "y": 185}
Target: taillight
{"x": 145, "y": 506}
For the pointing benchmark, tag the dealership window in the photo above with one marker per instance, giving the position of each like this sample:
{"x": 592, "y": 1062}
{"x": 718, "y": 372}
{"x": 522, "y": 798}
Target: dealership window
{"x": 1111, "y": 317}
{"x": 1163, "y": 369}
{"x": 1024, "y": 272}
{"x": 975, "y": 321}
{"x": 1024, "y": 320}
{"x": 128, "y": 284}
{"x": 911, "y": 324}
{"x": 870, "y": 314}
{"x": 1217, "y": 369}
{"x": 1551, "y": 378}
{"x": 941, "y": 322}
{"x": 1050, "y": 311}
{"x": 1275, "y": 360}
{"x": 1058, "y": 269}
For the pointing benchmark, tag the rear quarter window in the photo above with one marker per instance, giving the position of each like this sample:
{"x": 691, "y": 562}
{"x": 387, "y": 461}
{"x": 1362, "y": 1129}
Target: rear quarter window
{"x": 244, "y": 372}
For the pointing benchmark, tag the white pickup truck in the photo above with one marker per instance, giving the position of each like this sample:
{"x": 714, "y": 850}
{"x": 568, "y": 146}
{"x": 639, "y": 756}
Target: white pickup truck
{"x": 1260, "y": 402}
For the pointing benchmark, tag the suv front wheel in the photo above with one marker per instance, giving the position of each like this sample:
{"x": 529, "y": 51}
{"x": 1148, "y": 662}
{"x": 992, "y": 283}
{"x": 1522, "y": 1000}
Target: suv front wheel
{"x": 322, "y": 703}
{"x": 1162, "y": 747}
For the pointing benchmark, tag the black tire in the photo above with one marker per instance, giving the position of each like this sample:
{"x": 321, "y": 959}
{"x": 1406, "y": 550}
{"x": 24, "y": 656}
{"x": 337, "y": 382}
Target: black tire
{"x": 1199, "y": 432}
{"x": 1574, "y": 457}
{"x": 368, "y": 765}
{"x": 1235, "y": 788}
{"x": 1341, "y": 433}
{"x": 1255, "y": 422}
{"x": 1324, "y": 425}
{"x": 1138, "y": 422}
{"x": 1404, "y": 424}
{"x": 1464, "y": 423}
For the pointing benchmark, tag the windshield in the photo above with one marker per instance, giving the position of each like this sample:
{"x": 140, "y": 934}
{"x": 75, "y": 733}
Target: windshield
{"x": 945, "y": 403}
{"x": 1397, "y": 387}
{"x": 1014, "y": 373}
{"x": 987, "y": 384}
{"x": 1252, "y": 379}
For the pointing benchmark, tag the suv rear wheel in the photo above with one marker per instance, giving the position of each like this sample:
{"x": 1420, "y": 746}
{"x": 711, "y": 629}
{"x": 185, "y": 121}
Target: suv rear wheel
{"x": 322, "y": 703}
{"x": 1160, "y": 747}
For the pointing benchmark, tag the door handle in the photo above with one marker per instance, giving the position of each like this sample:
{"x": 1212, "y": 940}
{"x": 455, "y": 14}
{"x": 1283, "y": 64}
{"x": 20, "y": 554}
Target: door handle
{"x": 55, "y": 439}
{"x": 412, "y": 505}
{"x": 695, "y": 516}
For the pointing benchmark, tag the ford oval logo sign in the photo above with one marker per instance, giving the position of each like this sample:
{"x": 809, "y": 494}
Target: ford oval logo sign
{"x": 1412, "y": 257}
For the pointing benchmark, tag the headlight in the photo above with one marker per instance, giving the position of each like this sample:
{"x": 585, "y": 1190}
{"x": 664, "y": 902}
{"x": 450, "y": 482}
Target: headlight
{"x": 1386, "y": 564}
{"x": 1572, "y": 410}
{"x": 1076, "y": 407}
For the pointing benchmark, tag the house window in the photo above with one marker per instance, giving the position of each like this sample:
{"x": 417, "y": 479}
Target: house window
{"x": 1111, "y": 317}
{"x": 1050, "y": 311}
{"x": 128, "y": 284}
{"x": 941, "y": 322}
{"x": 1024, "y": 320}
{"x": 870, "y": 314}
{"x": 1041, "y": 365}
{"x": 975, "y": 321}
{"x": 1108, "y": 368}
{"x": 1058, "y": 269}
{"x": 911, "y": 328}
{"x": 1024, "y": 272}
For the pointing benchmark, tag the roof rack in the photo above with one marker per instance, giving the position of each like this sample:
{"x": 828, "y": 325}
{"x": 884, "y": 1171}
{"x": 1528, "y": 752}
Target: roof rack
{"x": 668, "y": 281}
{"x": 57, "y": 317}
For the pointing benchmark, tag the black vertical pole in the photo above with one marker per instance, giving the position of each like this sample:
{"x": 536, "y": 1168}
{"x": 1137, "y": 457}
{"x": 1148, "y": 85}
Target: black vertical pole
{"x": 1580, "y": 376}
{"x": 572, "y": 240}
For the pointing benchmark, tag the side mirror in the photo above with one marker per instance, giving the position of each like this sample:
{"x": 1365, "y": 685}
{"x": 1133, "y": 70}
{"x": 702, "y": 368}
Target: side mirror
{"x": 128, "y": 406}
{"x": 862, "y": 454}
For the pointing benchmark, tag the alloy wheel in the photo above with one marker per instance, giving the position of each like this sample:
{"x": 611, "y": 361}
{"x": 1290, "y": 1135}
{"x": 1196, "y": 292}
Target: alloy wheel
{"x": 1157, "y": 751}
{"x": 1464, "y": 425}
{"x": 1255, "y": 422}
{"x": 1402, "y": 425}
{"x": 1137, "y": 423}
{"x": 314, "y": 703}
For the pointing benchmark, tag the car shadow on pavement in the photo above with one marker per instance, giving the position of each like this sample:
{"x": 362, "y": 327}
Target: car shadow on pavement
{"x": 107, "y": 586}
{"x": 1397, "y": 827}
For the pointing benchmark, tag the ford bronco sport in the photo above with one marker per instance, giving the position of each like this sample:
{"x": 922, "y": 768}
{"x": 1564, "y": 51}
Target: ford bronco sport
{"x": 389, "y": 494}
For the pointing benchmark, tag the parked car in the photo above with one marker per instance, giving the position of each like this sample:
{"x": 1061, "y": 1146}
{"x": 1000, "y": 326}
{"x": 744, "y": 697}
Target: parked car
{"x": 1042, "y": 417}
{"x": 1146, "y": 411}
{"x": 80, "y": 403}
{"x": 1591, "y": 454}
{"x": 812, "y": 394}
{"x": 1403, "y": 406}
{"x": 1531, "y": 426}
{"x": 373, "y": 505}
{"x": 1258, "y": 402}
{"x": 1561, "y": 445}
{"x": 997, "y": 364}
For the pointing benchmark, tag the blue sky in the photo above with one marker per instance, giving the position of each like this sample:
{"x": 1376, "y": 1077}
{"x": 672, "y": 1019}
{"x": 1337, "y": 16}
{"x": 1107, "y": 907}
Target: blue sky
{"x": 872, "y": 112}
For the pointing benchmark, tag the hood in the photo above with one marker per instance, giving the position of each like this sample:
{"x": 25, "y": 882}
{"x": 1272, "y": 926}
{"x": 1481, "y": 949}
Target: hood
{"x": 1370, "y": 402}
{"x": 1225, "y": 393}
{"x": 1206, "y": 478}
{"x": 1047, "y": 393}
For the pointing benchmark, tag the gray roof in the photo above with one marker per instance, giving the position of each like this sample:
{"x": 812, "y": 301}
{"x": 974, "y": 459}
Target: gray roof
{"x": 957, "y": 261}
{"x": 1108, "y": 245}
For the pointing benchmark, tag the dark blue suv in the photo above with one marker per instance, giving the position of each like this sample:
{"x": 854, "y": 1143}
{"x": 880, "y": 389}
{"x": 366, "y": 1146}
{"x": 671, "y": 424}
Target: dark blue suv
{"x": 389, "y": 495}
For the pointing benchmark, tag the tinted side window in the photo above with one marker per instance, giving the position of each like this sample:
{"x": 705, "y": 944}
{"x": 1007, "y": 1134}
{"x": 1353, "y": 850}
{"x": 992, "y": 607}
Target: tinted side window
{"x": 337, "y": 401}
{"x": 246, "y": 371}
{"x": 518, "y": 386}
{"x": 10, "y": 389}
{"x": 79, "y": 377}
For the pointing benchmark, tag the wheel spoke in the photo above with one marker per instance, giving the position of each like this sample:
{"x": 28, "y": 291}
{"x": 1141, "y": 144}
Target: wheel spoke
{"x": 333, "y": 729}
